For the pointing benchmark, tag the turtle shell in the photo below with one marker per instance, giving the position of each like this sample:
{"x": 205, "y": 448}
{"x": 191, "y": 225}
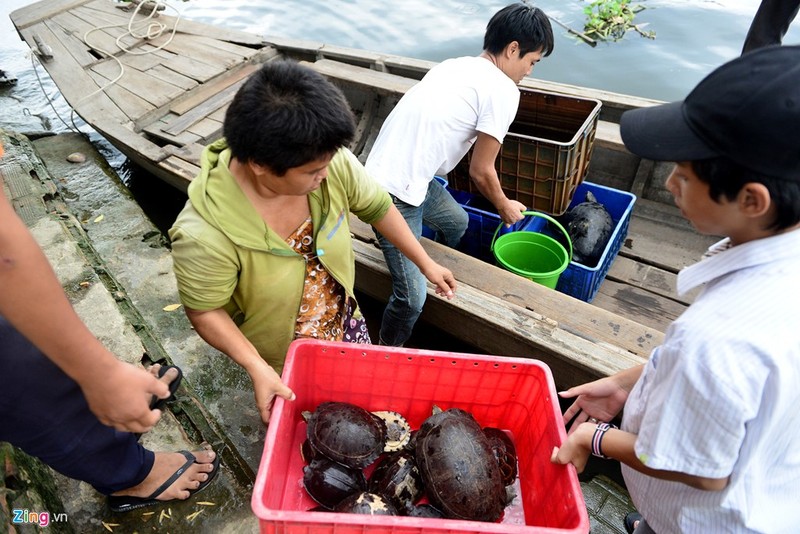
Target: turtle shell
{"x": 425, "y": 510}
{"x": 589, "y": 225}
{"x": 346, "y": 433}
{"x": 505, "y": 452}
{"x": 328, "y": 482}
{"x": 366, "y": 503}
{"x": 398, "y": 431}
{"x": 397, "y": 478}
{"x": 462, "y": 477}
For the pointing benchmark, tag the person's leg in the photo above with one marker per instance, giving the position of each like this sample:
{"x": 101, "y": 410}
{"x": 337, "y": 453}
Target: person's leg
{"x": 45, "y": 414}
{"x": 409, "y": 287}
{"x": 442, "y": 214}
{"x": 770, "y": 23}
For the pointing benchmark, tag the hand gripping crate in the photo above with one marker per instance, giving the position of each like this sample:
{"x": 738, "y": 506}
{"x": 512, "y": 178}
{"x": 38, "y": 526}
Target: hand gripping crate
{"x": 482, "y": 225}
{"x": 515, "y": 394}
{"x": 546, "y": 153}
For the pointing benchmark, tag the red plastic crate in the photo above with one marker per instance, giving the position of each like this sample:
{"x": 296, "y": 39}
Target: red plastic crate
{"x": 515, "y": 394}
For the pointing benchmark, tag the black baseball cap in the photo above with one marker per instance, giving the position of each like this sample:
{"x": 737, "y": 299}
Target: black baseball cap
{"x": 747, "y": 110}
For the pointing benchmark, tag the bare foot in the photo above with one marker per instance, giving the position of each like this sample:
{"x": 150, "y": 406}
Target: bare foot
{"x": 165, "y": 465}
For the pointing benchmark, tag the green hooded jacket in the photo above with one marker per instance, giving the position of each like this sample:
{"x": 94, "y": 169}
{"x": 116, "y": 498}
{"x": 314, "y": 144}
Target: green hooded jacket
{"x": 225, "y": 256}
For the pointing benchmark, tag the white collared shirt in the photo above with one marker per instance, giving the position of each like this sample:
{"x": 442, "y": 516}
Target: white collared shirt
{"x": 721, "y": 396}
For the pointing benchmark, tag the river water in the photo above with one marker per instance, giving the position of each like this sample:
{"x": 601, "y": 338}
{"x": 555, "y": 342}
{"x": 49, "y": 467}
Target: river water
{"x": 692, "y": 38}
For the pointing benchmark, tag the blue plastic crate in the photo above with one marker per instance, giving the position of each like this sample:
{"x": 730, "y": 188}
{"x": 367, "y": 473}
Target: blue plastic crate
{"x": 581, "y": 281}
{"x": 483, "y": 222}
{"x": 578, "y": 280}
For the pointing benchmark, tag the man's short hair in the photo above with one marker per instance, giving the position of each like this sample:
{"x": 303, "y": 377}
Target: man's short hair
{"x": 524, "y": 23}
{"x": 286, "y": 115}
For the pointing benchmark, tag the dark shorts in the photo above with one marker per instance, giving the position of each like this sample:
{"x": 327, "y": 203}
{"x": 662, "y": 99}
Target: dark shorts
{"x": 44, "y": 413}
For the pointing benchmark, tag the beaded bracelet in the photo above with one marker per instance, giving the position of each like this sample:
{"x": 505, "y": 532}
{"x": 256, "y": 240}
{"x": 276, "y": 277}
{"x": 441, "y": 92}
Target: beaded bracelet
{"x": 597, "y": 439}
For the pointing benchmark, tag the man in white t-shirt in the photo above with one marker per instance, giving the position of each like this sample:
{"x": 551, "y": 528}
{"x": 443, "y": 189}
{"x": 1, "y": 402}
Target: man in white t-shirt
{"x": 460, "y": 103}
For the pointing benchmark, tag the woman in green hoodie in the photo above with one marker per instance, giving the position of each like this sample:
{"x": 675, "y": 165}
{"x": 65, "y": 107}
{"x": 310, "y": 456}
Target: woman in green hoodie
{"x": 262, "y": 250}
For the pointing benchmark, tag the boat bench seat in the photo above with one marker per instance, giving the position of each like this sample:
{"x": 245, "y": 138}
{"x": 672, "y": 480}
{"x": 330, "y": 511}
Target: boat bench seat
{"x": 382, "y": 82}
{"x": 385, "y": 83}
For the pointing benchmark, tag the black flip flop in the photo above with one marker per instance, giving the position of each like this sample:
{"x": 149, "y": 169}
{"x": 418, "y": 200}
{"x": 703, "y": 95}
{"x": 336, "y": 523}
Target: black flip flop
{"x": 155, "y": 402}
{"x": 630, "y": 520}
{"x": 126, "y": 503}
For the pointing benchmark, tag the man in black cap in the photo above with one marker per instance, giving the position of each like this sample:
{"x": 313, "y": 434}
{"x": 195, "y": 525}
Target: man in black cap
{"x": 710, "y": 432}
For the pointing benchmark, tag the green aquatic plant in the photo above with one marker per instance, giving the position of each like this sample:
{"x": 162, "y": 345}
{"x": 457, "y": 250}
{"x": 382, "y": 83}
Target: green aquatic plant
{"x": 609, "y": 20}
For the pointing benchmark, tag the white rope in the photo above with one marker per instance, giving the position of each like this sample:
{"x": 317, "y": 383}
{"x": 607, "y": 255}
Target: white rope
{"x": 152, "y": 30}
{"x": 49, "y": 100}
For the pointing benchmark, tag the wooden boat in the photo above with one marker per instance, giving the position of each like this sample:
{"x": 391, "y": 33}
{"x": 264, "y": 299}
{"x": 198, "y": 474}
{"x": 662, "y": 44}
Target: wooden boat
{"x": 160, "y": 99}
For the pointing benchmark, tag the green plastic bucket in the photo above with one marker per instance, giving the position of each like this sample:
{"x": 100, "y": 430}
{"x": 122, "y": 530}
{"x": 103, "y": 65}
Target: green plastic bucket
{"x": 536, "y": 256}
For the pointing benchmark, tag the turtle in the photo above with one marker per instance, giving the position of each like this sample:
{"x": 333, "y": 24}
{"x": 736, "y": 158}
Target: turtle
{"x": 505, "y": 452}
{"x": 397, "y": 477}
{"x": 329, "y": 482}
{"x": 398, "y": 431}
{"x": 462, "y": 477}
{"x": 366, "y": 503}
{"x": 345, "y": 433}
{"x": 589, "y": 225}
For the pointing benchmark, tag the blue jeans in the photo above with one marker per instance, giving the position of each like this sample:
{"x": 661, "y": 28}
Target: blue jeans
{"x": 442, "y": 214}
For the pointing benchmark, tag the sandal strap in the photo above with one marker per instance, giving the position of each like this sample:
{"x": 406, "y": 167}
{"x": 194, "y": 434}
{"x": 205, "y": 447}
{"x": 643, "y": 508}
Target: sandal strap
{"x": 190, "y": 459}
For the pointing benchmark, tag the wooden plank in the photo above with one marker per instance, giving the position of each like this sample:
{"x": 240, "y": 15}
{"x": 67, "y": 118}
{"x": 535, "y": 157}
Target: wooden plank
{"x": 208, "y": 130}
{"x": 219, "y": 32}
{"x": 141, "y": 61}
{"x": 133, "y": 145}
{"x": 614, "y": 104}
{"x": 649, "y": 278}
{"x": 500, "y": 327}
{"x": 645, "y": 307}
{"x": 179, "y": 172}
{"x": 79, "y": 50}
{"x": 188, "y": 45}
{"x": 185, "y": 65}
{"x": 129, "y": 102}
{"x": 219, "y": 115}
{"x": 208, "y": 90}
{"x": 381, "y": 82}
{"x": 189, "y": 153}
{"x": 571, "y": 314}
{"x": 114, "y": 24}
{"x": 245, "y": 52}
{"x": 75, "y": 84}
{"x": 170, "y": 76}
{"x": 155, "y": 91}
{"x": 111, "y": 10}
{"x": 655, "y": 243}
{"x": 222, "y": 98}
{"x": 35, "y": 13}
{"x": 607, "y": 136}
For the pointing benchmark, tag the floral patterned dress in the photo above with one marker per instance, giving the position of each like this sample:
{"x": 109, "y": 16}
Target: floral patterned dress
{"x": 325, "y": 311}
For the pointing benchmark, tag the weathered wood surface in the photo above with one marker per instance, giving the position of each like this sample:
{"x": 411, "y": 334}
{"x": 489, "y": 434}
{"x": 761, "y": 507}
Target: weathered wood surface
{"x": 497, "y": 326}
{"x": 573, "y": 315}
{"x": 170, "y": 102}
